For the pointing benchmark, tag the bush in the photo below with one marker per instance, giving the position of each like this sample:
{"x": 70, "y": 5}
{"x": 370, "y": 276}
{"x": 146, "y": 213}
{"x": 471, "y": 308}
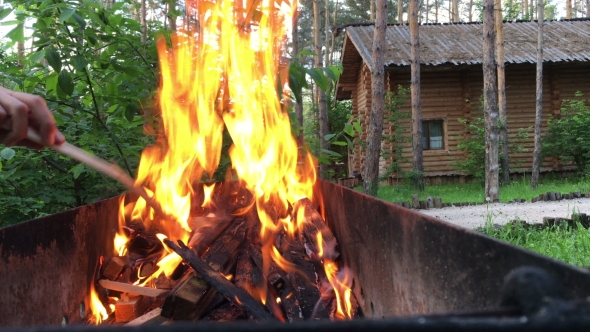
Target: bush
{"x": 568, "y": 136}
{"x": 474, "y": 145}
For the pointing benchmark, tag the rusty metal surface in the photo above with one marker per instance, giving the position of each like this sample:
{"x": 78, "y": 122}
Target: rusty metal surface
{"x": 462, "y": 43}
{"x": 46, "y": 264}
{"x": 406, "y": 263}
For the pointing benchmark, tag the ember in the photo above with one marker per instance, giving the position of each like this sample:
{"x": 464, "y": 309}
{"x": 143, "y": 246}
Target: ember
{"x": 261, "y": 225}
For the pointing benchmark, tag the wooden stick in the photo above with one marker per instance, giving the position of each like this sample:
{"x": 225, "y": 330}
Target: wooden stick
{"x": 236, "y": 295}
{"x": 131, "y": 289}
{"x": 108, "y": 169}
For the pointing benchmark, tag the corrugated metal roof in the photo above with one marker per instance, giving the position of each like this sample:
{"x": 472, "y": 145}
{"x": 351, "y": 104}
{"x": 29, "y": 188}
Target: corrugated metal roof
{"x": 463, "y": 43}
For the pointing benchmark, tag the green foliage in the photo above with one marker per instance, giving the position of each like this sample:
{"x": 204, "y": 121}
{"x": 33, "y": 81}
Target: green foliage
{"x": 568, "y": 244}
{"x": 97, "y": 77}
{"x": 399, "y": 136}
{"x": 472, "y": 142}
{"x": 568, "y": 137}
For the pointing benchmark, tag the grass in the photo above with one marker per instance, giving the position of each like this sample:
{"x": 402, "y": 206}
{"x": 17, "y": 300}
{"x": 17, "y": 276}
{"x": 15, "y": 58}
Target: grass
{"x": 474, "y": 192}
{"x": 568, "y": 244}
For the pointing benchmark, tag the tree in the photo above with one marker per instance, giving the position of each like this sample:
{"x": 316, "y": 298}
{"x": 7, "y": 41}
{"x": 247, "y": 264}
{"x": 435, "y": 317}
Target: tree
{"x": 298, "y": 105}
{"x": 539, "y": 99}
{"x": 490, "y": 103}
{"x": 415, "y": 92}
{"x": 568, "y": 9}
{"x": 371, "y": 176}
{"x": 321, "y": 94}
{"x": 143, "y": 21}
{"x": 502, "y": 92}
{"x": 400, "y": 11}
{"x": 470, "y": 10}
{"x": 436, "y": 11}
{"x": 587, "y": 8}
{"x": 455, "y": 11}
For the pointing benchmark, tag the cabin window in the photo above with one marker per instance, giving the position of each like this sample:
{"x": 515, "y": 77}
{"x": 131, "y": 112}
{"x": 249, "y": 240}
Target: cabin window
{"x": 432, "y": 135}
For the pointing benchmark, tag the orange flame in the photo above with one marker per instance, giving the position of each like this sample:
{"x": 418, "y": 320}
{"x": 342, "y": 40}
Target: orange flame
{"x": 99, "y": 312}
{"x": 224, "y": 73}
{"x": 208, "y": 191}
{"x": 340, "y": 281}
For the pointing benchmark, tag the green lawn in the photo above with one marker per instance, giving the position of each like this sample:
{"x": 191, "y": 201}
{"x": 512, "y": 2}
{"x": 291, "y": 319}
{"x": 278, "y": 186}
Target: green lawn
{"x": 567, "y": 244}
{"x": 473, "y": 192}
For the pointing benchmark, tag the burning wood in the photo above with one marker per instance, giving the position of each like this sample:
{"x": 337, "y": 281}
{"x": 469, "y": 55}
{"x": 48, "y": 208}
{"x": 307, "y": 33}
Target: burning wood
{"x": 292, "y": 289}
{"x": 257, "y": 246}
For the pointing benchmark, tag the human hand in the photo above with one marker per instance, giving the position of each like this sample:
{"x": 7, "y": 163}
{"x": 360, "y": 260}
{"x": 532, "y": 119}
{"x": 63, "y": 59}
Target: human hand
{"x": 19, "y": 111}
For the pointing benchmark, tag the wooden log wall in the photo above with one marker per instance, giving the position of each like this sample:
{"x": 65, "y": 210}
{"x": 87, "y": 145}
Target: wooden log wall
{"x": 452, "y": 92}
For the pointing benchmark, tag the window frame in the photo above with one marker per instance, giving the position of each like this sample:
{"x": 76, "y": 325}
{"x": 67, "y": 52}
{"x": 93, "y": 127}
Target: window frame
{"x": 442, "y": 125}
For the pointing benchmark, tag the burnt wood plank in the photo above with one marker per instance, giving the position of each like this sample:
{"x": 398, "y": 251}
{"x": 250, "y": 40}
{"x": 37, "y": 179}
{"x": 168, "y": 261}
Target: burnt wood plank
{"x": 236, "y": 295}
{"x": 312, "y": 226}
{"x": 303, "y": 284}
{"x": 192, "y": 297}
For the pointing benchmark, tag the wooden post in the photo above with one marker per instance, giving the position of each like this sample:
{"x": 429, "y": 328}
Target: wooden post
{"x": 539, "y": 99}
{"x": 415, "y": 201}
{"x": 490, "y": 103}
{"x": 502, "y": 93}
{"x": 377, "y": 102}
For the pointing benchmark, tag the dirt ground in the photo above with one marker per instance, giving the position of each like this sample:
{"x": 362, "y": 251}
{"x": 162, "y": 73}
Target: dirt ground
{"x": 501, "y": 213}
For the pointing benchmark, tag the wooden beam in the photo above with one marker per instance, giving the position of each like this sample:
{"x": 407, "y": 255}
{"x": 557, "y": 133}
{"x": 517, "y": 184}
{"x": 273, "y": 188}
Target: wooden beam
{"x": 237, "y": 296}
{"x": 131, "y": 289}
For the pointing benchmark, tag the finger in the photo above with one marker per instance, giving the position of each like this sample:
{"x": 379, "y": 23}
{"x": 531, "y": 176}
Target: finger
{"x": 59, "y": 138}
{"x": 43, "y": 119}
{"x": 2, "y": 114}
{"x": 17, "y": 111}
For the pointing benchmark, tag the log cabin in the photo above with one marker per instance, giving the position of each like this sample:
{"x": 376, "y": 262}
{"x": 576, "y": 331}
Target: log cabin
{"x": 452, "y": 85}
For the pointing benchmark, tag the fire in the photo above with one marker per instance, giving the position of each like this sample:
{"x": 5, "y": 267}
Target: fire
{"x": 340, "y": 281}
{"x": 224, "y": 74}
{"x": 208, "y": 191}
{"x": 99, "y": 312}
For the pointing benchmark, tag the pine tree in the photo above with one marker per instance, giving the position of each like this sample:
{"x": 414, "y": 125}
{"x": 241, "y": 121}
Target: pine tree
{"x": 371, "y": 176}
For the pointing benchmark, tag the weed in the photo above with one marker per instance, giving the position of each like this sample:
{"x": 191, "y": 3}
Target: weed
{"x": 568, "y": 244}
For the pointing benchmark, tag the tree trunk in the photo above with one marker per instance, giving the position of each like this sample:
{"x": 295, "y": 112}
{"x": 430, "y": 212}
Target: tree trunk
{"x": 428, "y": 9}
{"x": 510, "y": 10}
{"x": 321, "y": 94}
{"x": 568, "y": 9}
{"x": 298, "y": 106}
{"x": 20, "y": 48}
{"x": 450, "y": 11}
{"x": 587, "y": 8}
{"x": 326, "y": 35}
{"x": 333, "y": 34}
{"x": 502, "y": 92}
{"x": 539, "y": 99}
{"x": 372, "y": 11}
{"x": 415, "y": 92}
{"x": 400, "y": 11}
{"x": 470, "y": 10}
{"x": 456, "y": 11}
{"x": 436, "y": 11}
{"x": 490, "y": 103}
{"x": 171, "y": 18}
{"x": 143, "y": 21}
{"x": 526, "y": 9}
{"x": 371, "y": 177}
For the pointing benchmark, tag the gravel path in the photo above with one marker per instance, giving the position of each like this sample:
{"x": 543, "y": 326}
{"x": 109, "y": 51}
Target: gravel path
{"x": 501, "y": 213}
